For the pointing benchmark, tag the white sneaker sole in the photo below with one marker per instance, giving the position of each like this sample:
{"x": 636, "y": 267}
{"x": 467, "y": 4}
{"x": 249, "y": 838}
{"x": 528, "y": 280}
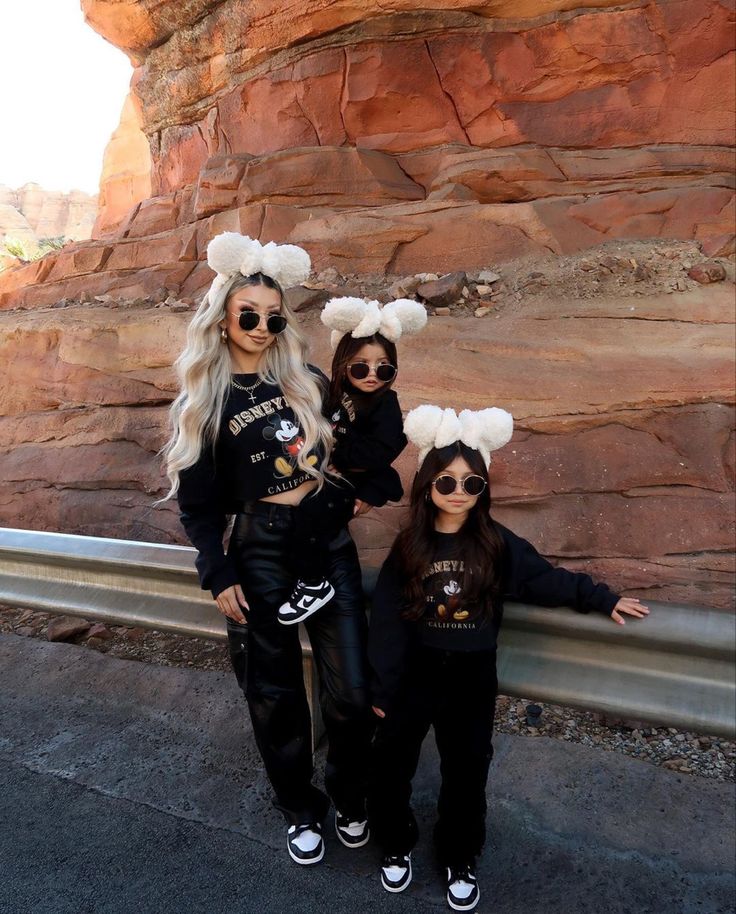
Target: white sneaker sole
{"x": 393, "y": 889}
{"x": 305, "y": 615}
{"x": 350, "y": 845}
{"x": 302, "y": 862}
{"x": 457, "y": 907}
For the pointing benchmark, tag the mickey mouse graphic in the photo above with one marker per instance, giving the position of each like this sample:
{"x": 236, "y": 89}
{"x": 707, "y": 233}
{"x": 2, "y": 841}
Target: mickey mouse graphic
{"x": 285, "y": 431}
{"x": 452, "y": 607}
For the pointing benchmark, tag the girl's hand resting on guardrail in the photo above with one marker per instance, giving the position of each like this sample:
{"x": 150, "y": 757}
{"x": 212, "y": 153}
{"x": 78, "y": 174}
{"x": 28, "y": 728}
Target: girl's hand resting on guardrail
{"x": 230, "y": 601}
{"x": 630, "y": 606}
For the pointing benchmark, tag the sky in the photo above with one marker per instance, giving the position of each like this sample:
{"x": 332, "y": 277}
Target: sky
{"x": 62, "y": 88}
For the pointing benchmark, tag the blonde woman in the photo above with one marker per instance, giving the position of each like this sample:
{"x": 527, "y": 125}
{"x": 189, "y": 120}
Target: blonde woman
{"x": 249, "y": 439}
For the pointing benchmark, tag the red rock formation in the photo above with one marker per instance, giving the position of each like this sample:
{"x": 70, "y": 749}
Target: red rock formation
{"x": 126, "y": 171}
{"x": 398, "y": 138}
{"x": 414, "y": 138}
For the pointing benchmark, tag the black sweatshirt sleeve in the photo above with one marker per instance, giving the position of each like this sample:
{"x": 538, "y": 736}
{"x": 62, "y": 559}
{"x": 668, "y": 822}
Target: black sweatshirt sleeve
{"x": 378, "y": 443}
{"x": 323, "y": 382}
{"x": 204, "y": 519}
{"x": 388, "y": 636}
{"x": 529, "y": 578}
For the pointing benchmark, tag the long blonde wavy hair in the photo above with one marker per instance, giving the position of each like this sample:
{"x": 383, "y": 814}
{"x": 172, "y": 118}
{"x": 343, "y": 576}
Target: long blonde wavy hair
{"x": 204, "y": 371}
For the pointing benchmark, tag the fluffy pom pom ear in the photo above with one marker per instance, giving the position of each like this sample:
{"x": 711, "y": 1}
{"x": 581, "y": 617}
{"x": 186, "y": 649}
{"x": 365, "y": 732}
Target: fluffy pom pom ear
{"x": 294, "y": 265}
{"x": 225, "y": 253}
{"x": 496, "y": 427}
{"x": 335, "y": 338}
{"x": 420, "y": 427}
{"x": 486, "y": 430}
{"x": 343, "y": 314}
{"x": 410, "y": 315}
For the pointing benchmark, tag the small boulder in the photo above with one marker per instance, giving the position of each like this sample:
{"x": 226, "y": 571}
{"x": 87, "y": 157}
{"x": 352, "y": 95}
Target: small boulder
{"x": 330, "y": 276}
{"x": 707, "y": 271}
{"x": 302, "y": 298}
{"x": 65, "y": 628}
{"x": 403, "y": 288}
{"x": 444, "y": 291}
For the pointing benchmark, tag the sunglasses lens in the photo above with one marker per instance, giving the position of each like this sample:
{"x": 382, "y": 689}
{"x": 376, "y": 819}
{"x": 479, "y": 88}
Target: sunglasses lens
{"x": 474, "y": 485}
{"x": 248, "y": 320}
{"x": 276, "y": 323}
{"x": 385, "y": 372}
{"x": 359, "y": 371}
{"x": 445, "y": 485}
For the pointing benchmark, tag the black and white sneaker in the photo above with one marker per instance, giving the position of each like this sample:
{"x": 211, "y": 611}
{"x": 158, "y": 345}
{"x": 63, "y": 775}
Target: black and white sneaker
{"x": 353, "y": 832}
{"x": 462, "y": 888}
{"x": 396, "y": 873}
{"x": 305, "y": 600}
{"x": 304, "y": 843}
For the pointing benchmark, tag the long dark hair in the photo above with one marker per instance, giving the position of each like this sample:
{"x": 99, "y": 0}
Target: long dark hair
{"x": 344, "y": 354}
{"x": 480, "y": 544}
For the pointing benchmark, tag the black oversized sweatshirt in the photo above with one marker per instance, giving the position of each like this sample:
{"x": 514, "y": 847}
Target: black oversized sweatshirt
{"x": 448, "y": 623}
{"x": 369, "y": 436}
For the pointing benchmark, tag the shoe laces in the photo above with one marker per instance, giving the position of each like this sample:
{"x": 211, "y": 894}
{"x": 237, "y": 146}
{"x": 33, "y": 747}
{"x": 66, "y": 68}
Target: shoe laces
{"x": 309, "y": 826}
{"x": 462, "y": 874}
{"x": 347, "y": 822}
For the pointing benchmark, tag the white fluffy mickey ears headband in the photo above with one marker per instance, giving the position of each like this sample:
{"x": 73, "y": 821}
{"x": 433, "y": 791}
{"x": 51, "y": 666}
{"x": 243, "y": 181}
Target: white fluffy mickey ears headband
{"x": 361, "y": 318}
{"x": 486, "y": 430}
{"x": 231, "y": 253}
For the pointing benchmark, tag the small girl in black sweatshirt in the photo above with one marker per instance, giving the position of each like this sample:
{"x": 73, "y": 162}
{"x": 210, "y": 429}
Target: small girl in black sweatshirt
{"x": 368, "y": 430}
{"x": 436, "y": 614}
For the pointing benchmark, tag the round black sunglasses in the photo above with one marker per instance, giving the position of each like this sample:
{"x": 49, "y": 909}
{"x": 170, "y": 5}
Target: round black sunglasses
{"x": 471, "y": 485}
{"x": 249, "y": 320}
{"x": 359, "y": 371}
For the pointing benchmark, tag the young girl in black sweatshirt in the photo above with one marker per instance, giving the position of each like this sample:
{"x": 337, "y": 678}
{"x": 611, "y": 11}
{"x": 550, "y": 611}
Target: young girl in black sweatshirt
{"x": 368, "y": 430}
{"x": 436, "y": 614}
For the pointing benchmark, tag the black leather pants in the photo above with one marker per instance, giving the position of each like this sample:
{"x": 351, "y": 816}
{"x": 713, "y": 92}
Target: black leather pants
{"x": 267, "y": 659}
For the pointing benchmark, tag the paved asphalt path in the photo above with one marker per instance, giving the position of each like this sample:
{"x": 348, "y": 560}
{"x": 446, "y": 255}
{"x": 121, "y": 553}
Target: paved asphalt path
{"x": 128, "y": 788}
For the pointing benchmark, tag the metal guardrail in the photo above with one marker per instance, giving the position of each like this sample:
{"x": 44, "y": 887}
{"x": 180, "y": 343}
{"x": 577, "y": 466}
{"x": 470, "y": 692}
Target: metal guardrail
{"x": 677, "y": 668}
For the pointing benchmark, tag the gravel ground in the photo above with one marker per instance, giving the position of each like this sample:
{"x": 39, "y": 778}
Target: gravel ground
{"x": 686, "y": 752}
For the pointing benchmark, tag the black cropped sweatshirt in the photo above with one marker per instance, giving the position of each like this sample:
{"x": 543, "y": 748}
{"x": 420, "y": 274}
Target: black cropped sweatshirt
{"x": 255, "y": 455}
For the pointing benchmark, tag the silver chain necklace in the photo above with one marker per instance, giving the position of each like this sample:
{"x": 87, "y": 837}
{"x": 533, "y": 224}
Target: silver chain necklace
{"x": 248, "y": 390}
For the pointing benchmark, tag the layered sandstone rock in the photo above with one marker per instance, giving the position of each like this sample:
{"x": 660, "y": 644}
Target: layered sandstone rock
{"x": 621, "y": 462}
{"x": 407, "y": 137}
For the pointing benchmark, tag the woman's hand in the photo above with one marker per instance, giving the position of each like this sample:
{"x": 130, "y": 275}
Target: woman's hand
{"x": 378, "y": 712}
{"x": 630, "y": 606}
{"x": 361, "y": 507}
{"x": 230, "y": 601}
